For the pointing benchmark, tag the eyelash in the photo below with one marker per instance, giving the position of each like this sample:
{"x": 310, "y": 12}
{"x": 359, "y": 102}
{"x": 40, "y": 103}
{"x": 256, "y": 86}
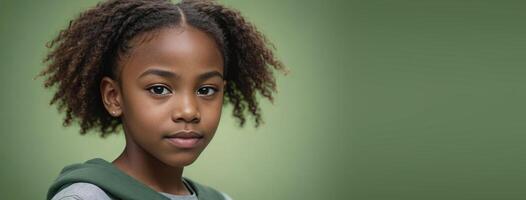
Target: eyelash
{"x": 214, "y": 90}
{"x": 151, "y": 90}
{"x": 164, "y": 88}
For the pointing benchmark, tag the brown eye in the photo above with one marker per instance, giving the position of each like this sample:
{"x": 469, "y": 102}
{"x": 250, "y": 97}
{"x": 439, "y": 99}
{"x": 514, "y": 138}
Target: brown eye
{"x": 159, "y": 90}
{"x": 206, "y": 91}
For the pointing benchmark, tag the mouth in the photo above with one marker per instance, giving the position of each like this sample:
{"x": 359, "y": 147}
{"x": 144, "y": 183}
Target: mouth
{"x": 185, "y": 139}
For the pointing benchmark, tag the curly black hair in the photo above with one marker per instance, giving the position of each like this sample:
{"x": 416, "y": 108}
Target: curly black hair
{"x": 91, "y": 46}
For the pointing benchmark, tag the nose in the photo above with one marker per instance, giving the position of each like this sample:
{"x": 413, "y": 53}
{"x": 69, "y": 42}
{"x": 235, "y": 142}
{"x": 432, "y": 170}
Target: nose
{"x": 186, "y": 109}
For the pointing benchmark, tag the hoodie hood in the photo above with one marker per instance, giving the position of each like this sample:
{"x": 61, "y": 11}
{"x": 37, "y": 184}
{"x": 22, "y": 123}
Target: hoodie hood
{"x": 116, "y": 183}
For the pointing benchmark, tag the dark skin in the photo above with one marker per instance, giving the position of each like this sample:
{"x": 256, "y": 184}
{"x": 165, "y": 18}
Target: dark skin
{"x": 171, "y": 82}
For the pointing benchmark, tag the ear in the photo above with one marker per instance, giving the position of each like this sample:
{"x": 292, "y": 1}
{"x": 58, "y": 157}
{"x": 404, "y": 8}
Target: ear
{"x": 111, "y": 96}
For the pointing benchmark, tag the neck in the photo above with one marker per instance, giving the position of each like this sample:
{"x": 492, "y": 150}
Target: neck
{"x": 148, "y": 170}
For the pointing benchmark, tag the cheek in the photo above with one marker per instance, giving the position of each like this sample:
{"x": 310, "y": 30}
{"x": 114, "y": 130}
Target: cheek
{"x": 144, "y": 112}
{"x": 211, "y": 113}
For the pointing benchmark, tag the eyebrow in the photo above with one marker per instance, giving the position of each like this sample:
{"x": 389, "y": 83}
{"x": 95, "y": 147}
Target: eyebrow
{"x": 169, "y": 74}
{"x": 159, "y": 72}
{"x": 209, "y": 75}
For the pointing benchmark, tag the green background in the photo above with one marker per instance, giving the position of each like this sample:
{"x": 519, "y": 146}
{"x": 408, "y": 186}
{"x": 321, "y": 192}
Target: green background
{"x": 386, "y": 100}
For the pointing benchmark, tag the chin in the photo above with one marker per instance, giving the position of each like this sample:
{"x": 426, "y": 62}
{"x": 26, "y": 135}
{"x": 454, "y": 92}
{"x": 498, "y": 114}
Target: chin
{"x": 181, "y": 159}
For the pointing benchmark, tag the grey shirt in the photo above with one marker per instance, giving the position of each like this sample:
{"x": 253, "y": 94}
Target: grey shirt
{"x": 88, "y": 191}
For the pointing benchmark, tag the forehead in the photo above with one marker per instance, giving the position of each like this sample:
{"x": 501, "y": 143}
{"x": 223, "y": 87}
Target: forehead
{"x": 177, "y": 49}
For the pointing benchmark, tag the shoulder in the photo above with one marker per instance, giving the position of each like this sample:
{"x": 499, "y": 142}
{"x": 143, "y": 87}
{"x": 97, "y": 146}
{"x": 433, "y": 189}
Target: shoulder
{"x": 81, "y": 191}
{"x": 205, "y": 191}
{"x": 226, "y": 196}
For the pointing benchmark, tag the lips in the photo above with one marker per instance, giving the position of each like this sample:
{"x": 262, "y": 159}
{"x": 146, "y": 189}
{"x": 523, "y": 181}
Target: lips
{"x": 185, "y": 139}
{"x": 185, "y": 134}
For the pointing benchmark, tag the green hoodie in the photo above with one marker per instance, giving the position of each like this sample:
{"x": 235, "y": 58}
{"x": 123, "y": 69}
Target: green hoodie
{"x": 117, "y": 184}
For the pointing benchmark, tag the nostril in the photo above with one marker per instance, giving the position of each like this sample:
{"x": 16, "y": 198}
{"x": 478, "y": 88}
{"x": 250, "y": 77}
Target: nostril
{"x": 187, "y": 118}
{"x": 186, "y": 109}
{"x": 196, "y": 118}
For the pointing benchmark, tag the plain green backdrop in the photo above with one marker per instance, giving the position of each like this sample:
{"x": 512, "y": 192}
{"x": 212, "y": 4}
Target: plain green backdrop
{"x": 407, "y": 99}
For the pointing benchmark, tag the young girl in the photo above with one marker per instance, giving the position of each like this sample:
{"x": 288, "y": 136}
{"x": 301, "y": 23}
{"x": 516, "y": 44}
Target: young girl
{"x": 161, "y": 72}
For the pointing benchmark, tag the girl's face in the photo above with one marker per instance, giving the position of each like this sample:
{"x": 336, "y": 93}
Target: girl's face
{"x": 171, "y": 94}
